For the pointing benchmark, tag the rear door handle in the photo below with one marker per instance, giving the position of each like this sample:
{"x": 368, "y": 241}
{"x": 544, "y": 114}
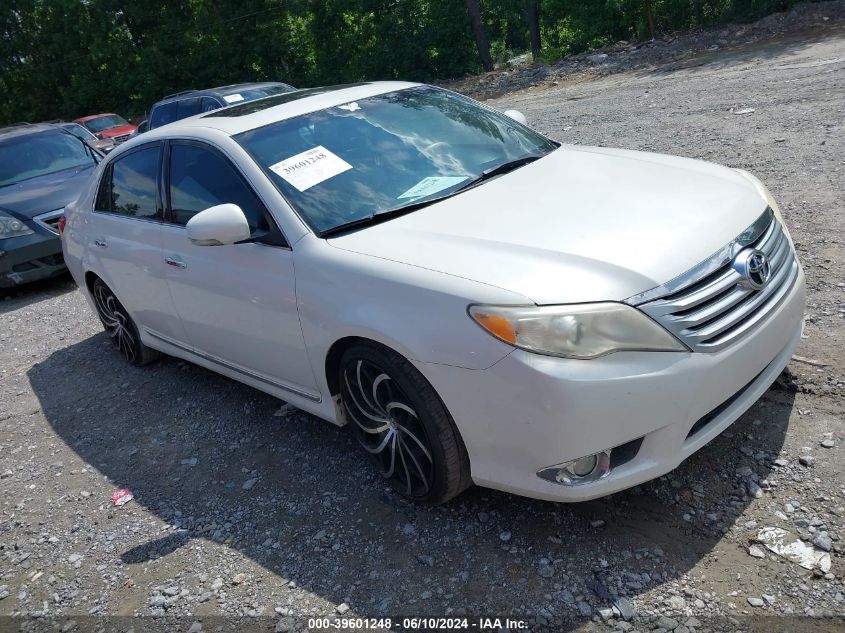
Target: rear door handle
{"x": 101, "y": 243}
{"x": 176, "y": 263}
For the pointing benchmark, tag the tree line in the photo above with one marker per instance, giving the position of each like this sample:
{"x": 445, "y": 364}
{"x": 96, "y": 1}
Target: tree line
{"x": 67, "y": 58}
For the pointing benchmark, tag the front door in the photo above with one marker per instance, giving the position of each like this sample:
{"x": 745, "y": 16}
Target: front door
{"x": 237, "y": 302}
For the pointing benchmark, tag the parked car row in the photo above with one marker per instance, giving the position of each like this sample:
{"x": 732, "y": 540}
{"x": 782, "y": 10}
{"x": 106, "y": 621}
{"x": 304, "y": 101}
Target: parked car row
{"x": 43, "y": 167}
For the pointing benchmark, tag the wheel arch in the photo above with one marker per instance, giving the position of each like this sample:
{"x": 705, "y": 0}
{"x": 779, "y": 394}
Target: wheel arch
{"x": 331, "y": 365}
{"x": 90, "y": 278}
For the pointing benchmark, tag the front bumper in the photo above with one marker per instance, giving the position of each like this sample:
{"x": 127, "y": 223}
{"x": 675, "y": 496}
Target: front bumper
{"x": 30, "y": 258}
{"x": 529, "y": 412}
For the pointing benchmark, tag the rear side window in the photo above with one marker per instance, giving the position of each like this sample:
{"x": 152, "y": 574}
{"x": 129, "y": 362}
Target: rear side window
{"x": 201, "y": 178}
{"x": 188, "y": 107}
{"x": 163, "y": 114}
{"x": 128, "y": 186}
{"x": 209, "y": 104}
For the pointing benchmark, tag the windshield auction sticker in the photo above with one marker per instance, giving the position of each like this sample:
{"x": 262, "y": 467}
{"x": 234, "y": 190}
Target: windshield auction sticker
{"x": 310, "y": 168}
{"x": 233, "y": 98}
{"x": 430, "y": 185}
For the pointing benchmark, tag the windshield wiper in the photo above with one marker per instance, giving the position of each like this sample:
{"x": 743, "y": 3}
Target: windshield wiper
{"x": 498, "y": 170}
{"x": 381, "y": 216}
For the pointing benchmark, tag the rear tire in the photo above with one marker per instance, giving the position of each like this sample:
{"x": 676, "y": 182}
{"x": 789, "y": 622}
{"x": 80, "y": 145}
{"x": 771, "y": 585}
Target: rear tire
{"x": 120, "y": 327}
{"x": 402, "y": 424}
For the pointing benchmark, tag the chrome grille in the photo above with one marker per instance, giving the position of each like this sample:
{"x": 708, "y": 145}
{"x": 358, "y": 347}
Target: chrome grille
{"x": 121, "y": 138}
{"x": 712, "y": 310}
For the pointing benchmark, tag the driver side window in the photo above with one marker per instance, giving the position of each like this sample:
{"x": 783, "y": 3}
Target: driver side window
{"x": 200, "y": 178}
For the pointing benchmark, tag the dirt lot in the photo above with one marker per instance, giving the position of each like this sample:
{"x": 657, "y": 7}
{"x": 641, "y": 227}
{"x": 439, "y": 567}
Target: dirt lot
{"x": 243, "y": 519}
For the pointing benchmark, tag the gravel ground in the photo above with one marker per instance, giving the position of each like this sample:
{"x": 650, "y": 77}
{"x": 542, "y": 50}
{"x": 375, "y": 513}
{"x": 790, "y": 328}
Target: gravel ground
{"x": 248, "y": 516}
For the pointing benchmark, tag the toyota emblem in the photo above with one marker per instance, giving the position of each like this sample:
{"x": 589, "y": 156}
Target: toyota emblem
{"x": 754, "y": 268}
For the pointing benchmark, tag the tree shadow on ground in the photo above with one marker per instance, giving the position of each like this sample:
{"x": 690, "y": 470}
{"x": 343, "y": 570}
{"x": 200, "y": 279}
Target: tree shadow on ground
{"x": 320, "y": 516}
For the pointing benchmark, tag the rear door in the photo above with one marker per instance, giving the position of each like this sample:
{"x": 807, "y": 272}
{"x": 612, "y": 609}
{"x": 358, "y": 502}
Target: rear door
{"x": 126, "y": 239}
{"x": 237, "y": 302}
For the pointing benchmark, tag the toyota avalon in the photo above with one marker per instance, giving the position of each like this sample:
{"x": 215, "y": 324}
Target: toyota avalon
{"x": 479, "y": 303}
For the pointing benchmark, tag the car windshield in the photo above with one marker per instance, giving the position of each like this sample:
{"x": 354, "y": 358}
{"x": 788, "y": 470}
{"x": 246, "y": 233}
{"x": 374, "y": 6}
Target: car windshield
{"x": 105, "y": 123}
{"x": 33, "y": 155}
{"x": 356, "y": 160}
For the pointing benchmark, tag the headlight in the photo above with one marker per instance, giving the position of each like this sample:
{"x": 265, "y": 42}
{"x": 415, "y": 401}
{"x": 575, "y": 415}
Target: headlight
{"x": 12, "y": 227}
{"x": 767, "y": 196}
{"x": 586, "y": 330}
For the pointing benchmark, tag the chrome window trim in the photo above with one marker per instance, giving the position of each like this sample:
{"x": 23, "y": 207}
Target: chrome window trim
{"x": 709, "y": 265}
{"x": 40, "y": 220}
{"x": 133, "y": 218}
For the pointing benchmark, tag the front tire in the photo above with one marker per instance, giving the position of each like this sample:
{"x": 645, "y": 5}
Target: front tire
{"x": 401, "y": 422}
{"x": 120, "y": 327}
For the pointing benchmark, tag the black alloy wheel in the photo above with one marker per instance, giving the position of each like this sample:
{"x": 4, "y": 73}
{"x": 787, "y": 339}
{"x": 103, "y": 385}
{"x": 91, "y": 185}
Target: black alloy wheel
{"x": 120, "y": 327}
{"x": 402, "y": 424}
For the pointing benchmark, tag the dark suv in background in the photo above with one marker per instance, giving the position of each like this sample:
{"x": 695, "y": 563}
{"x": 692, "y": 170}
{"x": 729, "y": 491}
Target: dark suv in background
{"x": 42, "y": 168}
{"x": 184, "y": 104}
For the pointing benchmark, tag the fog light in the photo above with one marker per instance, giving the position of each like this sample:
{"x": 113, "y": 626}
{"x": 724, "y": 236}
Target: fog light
{"x": 579, "y": 471}
{"x": 584, "y": 466}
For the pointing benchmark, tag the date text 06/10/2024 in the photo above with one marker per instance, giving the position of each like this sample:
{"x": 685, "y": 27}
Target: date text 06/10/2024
{"x": 417, "y": 624}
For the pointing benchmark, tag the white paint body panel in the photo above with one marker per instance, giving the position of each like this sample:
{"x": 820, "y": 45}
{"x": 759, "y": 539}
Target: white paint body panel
{"x": 581, "y": 224}
{"x": 237, "y": 303}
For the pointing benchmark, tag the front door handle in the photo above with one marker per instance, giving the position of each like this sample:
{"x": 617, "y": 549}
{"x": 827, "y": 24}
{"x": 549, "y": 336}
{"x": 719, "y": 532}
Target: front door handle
{"x": 176, "y": 263}
{"x": 101, "y": 243}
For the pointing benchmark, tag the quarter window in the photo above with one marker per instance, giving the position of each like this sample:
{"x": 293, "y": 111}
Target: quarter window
{"x": 209, "y": 104}
{"x": 163, "y": 114}
{"x": 200, "y": 178}
{"x": 129, "y": 185}
{"x": 188, "y": 107}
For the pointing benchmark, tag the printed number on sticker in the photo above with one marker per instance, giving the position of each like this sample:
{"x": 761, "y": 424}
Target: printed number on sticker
{"x": 310, "y": 168}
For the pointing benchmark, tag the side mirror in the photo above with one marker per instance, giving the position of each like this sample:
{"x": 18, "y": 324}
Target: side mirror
{"x": 217, "y": 226}
{"x": 516, "y": 115}
{"x": 143, "y": 126}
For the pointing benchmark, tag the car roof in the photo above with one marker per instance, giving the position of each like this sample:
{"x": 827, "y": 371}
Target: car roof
{"x": 233, "y": 88}
{"x": 242, "y": 117}
{"x": 22, "y": 129}
{"x": 220, "y": 91}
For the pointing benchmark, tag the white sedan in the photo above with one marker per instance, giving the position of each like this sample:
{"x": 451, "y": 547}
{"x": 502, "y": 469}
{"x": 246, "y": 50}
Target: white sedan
{"x": 477, "y": 302}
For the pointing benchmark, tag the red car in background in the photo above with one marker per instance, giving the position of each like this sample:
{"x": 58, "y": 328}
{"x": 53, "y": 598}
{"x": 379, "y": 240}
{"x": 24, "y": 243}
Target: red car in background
{"x": 107, "y": 126}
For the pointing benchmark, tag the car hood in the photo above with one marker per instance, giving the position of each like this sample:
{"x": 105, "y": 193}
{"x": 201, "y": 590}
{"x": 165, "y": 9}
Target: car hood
{"x": 45, "y": 193}
{"x": 581, "y": 224}
{"x": 120, "y": 130}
